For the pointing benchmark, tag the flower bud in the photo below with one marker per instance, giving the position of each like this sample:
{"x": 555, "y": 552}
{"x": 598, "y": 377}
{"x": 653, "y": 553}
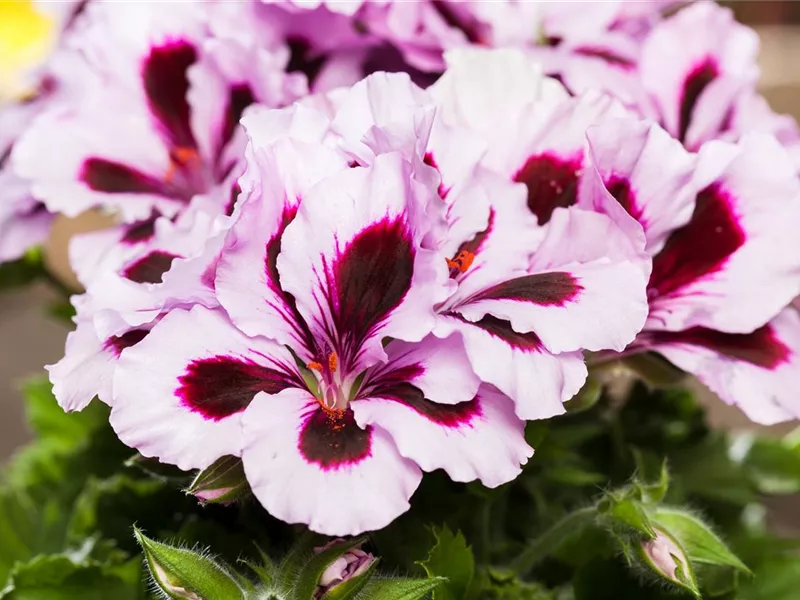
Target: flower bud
{"x": 666, "y": 557}
{"x": 187, "y": 574}
{"x": 221, "y": 483}
{"x": 351, "y": 564}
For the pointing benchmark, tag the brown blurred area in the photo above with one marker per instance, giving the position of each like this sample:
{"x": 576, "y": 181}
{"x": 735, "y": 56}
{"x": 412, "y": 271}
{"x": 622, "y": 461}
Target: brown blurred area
{"x": 29, "y": 339}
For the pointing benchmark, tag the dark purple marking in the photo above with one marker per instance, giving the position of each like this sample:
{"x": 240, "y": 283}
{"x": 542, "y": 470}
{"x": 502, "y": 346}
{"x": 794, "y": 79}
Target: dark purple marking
{"x": 545, "y": 289}
{"x": 387, "y": 58}
{"x": 606, "y": 55}
{"x": 274, "y": 248}
{"x": 551, "y": 181}
{"x": 700, "y": 247}
{"x": 222, "y": 386}
{"x": 761, "y": 348}
{"x": 454, "y": 17}
{"x": 620, "y": 188}
{"x": 502, "y": 330}
{"x": 334, "y": 440}
{"x": 118, "y": 343}
{"x": 150, "y": 268}
{"x": 288, "y": 305}
{"x": 141, "y": 231}
{"x": 303, "y": 59}
{"x": 446, "y": 415}
{"x": 240, "y": 97}
{"x": 115, "y": 178}
{"x": 235, "y": 191}
{"x": 695, "y": 83}
{"x": 166, "y": 84}
{"x": 372, "y": 276}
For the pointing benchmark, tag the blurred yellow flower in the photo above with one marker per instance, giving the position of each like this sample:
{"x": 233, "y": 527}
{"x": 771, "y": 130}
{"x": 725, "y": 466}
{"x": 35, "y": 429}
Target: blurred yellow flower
{"x": 26, "y": 37}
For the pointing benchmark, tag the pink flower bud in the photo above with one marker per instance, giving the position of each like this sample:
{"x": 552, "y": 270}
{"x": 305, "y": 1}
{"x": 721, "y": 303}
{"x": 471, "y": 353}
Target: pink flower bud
{"x": 352, "y": 563}
{"x": 666, "y": 556}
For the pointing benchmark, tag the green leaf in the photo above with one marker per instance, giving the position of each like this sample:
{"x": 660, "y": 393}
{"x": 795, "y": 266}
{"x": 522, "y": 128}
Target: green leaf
{"x": 775, "y": 579}
{"x": 701, "y": 544}
{"x": 313, "y": 566}
{"x": 348, "y": 590}
{"x": 400, "y": 589}
{"x": 452, "y": 558}
{"x": 772, "y": 464}
{"x": 49, "y": 421}
{"x": 109, "y": 507}
{"x": 60, "y": 577}
{"x": 222, "y": 482}
{"x": 181, "y": 573}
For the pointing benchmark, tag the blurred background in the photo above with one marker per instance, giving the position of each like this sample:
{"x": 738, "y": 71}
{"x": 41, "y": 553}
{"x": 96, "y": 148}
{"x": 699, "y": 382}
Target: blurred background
{"x": 29, "y": 339}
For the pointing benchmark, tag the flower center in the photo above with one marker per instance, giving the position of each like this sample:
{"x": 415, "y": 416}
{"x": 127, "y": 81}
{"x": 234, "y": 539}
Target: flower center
{"x": 334, "y": 388}
{"x": 187, "y": 173}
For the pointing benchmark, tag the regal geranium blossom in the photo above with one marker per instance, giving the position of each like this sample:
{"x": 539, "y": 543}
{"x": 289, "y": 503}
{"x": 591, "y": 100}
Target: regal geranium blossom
{"x": 711, "y": 64}
{"x": 332, "y": 426}
{"x": 162, "y": 128}
{"x": 721, "y": 227}
{"x": 518, "y": 290}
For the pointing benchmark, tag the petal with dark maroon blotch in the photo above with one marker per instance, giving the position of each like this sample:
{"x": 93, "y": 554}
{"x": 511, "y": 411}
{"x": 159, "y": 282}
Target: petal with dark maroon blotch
{"x": 311, "y": 466}
{"x": 179, "y": 393}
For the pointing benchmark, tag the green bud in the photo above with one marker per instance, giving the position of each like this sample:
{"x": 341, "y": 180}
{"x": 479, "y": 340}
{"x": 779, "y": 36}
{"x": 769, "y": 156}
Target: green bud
{"x": 221, "y": 483}
{"x": 187, "y": 575}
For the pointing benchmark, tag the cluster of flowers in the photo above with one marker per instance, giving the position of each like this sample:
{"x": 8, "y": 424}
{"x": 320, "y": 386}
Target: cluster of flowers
{"x": 357, "y": 241}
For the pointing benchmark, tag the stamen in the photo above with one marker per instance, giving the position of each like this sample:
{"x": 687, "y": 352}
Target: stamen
{"x": 180, "y": 157}
{"x": 461, "y": 262}
{"x": 315, "y": 366}
{"x": 333, "y": 362}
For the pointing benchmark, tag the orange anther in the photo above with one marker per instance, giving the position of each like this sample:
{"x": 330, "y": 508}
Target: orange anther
{"x": 184, "y": 154}
{"x": 461, "y": 262}
{"x": 315, "y": 366}
{"x": 180, "y": 156}
{"x": 333, "y": 362}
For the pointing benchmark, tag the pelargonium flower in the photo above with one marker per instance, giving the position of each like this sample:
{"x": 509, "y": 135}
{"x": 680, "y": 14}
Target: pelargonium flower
{"x": 721, "y": 227}
{"x": 333, "y": 427}
{"x": 160, "y": 130}
{"x": 364, "y": 315}
{"x": 711, "y": 64}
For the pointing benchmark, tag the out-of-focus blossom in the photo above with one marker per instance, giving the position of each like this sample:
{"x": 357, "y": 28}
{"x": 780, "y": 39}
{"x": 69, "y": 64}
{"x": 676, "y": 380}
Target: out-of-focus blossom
{"x": 28, "y": 86}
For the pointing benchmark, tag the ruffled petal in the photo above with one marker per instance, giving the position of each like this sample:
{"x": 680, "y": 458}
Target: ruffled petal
{"x": 481, "y": 438}
{"x": 518, "y": 364}
{"x": 180, "y": 393}
{"x": 580, "y": 298}
{"x": 755, "y": 371}
{"x": 740, "y": 241}
{"x": 330, "y": 474}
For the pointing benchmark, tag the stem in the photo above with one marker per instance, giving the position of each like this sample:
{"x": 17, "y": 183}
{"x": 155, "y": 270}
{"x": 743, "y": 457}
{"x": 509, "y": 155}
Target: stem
{"x": 550, "y": 540}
